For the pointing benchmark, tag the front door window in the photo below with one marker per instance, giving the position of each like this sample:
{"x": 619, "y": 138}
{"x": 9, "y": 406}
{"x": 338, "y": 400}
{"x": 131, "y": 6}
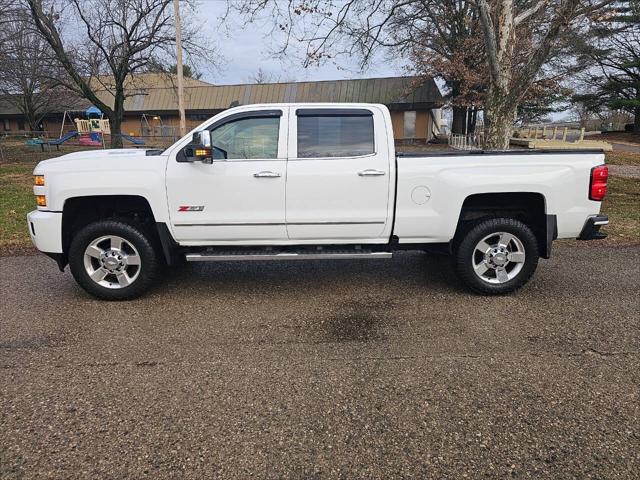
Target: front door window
{"x": 248, "y": 138}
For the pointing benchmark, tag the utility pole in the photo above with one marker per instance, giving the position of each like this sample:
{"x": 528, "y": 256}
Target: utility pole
{"x": 183, "y": 122}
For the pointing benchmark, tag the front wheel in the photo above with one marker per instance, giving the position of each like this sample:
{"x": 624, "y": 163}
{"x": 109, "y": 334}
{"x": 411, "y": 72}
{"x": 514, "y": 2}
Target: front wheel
{"x": 113, "y": 260}
{"x": 497, "y": 256}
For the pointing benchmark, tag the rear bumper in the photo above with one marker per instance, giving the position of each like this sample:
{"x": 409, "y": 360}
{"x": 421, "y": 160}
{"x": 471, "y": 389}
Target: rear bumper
{"x": 45, "y": 229}
{"x": 591, "y": 229}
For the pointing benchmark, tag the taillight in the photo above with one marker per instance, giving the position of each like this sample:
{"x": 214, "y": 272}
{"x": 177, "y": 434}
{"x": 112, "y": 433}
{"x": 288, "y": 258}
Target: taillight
{"x": 598, "y": 183}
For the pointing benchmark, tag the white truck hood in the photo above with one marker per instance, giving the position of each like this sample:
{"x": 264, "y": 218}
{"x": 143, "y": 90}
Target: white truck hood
{"x": 93, "y": 155}
{"x": 129, "y": 158}
{"x": 103, "y": 172}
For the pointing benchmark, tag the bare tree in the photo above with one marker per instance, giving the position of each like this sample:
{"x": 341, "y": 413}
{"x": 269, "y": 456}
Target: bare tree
{"x": 440, "y": 39}
{"x": 26, "y": 74}
{"x": 115, "y": 40}
{"x": 262, "y": 76}
{"x": 613, "y": 84}
{"x": 539, "y": 25}
{"x": 427, "y": 32}
{"x": 491, "y": 53}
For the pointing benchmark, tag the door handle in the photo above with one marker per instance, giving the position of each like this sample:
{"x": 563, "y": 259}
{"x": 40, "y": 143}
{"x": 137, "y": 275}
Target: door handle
{"x": 266, "y": 174}
{"x": 370, "y": 172}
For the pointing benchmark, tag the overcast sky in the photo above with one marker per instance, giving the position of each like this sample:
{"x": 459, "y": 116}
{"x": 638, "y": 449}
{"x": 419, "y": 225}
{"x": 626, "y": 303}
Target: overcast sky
{"x": 247, "y": 48}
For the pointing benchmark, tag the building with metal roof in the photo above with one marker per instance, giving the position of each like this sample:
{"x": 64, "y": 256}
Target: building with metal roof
{"x": 152, "y": 107}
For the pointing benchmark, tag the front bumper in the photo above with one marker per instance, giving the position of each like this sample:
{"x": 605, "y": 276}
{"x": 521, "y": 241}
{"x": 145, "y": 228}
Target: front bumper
{"x": 45, "y": 229}
{"x": 591, "y": 229}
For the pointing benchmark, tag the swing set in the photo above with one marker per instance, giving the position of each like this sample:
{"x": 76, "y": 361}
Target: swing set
{"x": 90, "y": 131}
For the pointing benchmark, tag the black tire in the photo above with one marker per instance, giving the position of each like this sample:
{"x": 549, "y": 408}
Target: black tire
{"x": 466, "y": 249}
{"x": 137, "y": 237}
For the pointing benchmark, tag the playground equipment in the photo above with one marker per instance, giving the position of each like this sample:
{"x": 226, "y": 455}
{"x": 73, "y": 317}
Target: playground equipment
{"x": 134, "y": 140}
{"x": 146, "y": 127}
{"x": 59, "y": 141}
{"x": 91, "y": 139}
{"x": 34, "y": 142}
{"x": 92, "y": 130}
{"x": 89, "y": 131}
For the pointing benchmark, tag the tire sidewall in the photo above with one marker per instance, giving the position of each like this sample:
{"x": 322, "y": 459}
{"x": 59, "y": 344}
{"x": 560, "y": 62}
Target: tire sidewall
{"x": 463, "y": 258}
{"x": 133, "y": 234}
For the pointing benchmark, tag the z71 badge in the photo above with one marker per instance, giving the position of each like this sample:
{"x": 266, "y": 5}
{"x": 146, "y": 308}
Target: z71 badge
{"x": 191, "y": 208}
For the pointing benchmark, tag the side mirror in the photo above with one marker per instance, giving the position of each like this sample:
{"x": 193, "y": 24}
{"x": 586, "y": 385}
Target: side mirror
{"x": 201, "y": 150}
{"x": 202, "y": 138}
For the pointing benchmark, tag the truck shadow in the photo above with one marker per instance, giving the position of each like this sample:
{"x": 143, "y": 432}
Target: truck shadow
{"x": 410, "y": 272}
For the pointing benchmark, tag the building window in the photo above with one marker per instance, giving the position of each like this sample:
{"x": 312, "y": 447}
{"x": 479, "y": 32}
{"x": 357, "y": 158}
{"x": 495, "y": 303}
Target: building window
{"x": 6, "y": 124}
{"x": 248, "y": 138}
{"x": 410, "y": 124}
{"x": 21, "y": 124}
{"x": 335, "y": 136}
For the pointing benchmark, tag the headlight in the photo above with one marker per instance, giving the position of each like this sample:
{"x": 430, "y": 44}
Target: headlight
{"x": 41, "y": 200}
{"x": 39, "y": 180}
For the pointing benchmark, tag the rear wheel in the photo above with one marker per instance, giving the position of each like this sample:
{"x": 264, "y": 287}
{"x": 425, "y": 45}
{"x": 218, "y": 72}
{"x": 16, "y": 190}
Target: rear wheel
{"x": 113, "y": 260}
{"x": 497, "y": 256}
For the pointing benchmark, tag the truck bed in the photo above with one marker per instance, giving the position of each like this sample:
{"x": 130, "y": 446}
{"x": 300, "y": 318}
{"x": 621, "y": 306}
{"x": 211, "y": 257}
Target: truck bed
{"x": 432, "y": 187}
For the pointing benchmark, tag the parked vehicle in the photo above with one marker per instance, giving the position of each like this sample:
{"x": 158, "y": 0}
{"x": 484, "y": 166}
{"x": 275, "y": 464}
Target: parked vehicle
{"x": 309, "y": 181}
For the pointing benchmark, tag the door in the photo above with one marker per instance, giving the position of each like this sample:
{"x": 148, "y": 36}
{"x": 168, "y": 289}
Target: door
{"x": 237, "y": 199}
{"x": 338, "y": 177}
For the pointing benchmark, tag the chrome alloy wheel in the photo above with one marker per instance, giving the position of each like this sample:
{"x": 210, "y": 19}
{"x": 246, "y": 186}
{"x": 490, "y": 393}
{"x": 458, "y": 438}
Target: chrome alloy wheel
{"x": 498, "y": 257}
{"x": 112, "y": 262}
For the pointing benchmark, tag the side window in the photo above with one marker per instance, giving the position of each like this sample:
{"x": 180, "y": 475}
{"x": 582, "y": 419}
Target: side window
{"x": 248, "y": 138}
{"x": 335, "y": 135}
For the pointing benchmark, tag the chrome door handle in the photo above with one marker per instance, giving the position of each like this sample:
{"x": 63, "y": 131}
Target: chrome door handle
{"x": 266, "y": 174}
{"x": 370, "y": 172}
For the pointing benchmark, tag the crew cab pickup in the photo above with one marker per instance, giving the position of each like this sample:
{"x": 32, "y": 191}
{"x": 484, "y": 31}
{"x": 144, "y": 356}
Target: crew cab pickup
{"x": 308, "y": 181}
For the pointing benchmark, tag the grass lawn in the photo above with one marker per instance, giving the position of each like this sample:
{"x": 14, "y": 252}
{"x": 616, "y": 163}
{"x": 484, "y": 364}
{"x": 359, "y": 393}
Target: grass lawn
{"x": 622, "y": 137}
{"x": 623, "y": 158}
{"x": 16, "y": 199}
{"x": 622, "y": 203}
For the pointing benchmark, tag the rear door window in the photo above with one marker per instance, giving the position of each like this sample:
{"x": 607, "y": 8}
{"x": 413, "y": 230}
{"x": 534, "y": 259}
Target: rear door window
{"x": 335, "y": 133}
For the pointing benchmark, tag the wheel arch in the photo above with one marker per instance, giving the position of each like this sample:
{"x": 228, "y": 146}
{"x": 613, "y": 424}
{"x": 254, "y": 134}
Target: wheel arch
{"x": 528, "y": 207}
{"x": 80, "y": 211}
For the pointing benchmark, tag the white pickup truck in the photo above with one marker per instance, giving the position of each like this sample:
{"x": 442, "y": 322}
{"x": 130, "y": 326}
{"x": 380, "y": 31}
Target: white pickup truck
{"x": 308, "y": 181}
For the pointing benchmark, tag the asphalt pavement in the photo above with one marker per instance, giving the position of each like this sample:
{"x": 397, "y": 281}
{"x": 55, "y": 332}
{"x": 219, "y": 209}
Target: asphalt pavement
{"x": 333, "y": 369}
{"x": 625, "y": 147}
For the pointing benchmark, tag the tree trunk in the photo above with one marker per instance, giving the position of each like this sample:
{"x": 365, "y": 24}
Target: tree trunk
{"x": 459, "y": 123}
{"x": 27, "y": 110}
{"x": 471, "y": 120}
{"x": 115, "y": 123}
{"x": 115, "y": 119}
{"x": 500, "y": 114}
{"x": 636, "y": 120}
{"x": 31, "y": 122}
{"x": 500, "y": 107}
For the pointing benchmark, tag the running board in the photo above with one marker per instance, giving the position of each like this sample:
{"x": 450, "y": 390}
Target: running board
{"x": 249, "y": 256}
